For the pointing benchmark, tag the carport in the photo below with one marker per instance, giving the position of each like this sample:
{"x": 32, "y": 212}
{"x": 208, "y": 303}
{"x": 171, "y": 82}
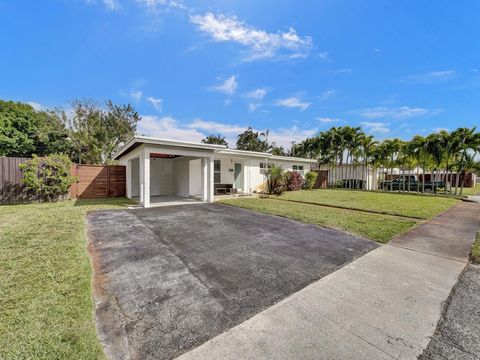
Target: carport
{"x": 168, "y": 172}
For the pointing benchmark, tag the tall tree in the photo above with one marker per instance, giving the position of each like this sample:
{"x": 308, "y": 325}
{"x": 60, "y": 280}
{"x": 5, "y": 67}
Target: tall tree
{"x": 215, "y": 140}
{"x": 253, "y": 141}
{"x": 277, "y": 150}
{"x": 25, "y": 131}
{"x": 97, "y": 133}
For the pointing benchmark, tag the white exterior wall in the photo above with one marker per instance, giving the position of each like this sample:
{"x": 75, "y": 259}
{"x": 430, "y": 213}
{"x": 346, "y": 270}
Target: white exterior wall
{"x": 181, "y": 175}
{"x": 195, "y": 174}
{"x": 161, "y": 173}
{"x": 135, "y": 177}
{"x": 252, "y": 178}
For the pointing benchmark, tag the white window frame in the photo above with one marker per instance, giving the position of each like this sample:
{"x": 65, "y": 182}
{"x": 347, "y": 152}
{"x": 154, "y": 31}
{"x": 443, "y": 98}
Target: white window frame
{"x": 219, "y": 171}
{"x": 264, "y": 165}
{"x": 299, "y": 168}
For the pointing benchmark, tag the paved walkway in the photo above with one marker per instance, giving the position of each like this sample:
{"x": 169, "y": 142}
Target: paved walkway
{"x": 385, "y": 305}
{"x": 475, "y": 198}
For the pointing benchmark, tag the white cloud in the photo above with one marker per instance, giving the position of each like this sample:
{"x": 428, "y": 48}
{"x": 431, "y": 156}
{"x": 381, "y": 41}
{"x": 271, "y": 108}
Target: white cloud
{"x": 376, "y": 127}
{"x": 433, "y": 76}
{"x": 327, "y": 94}
{"x": 135, "y": 95}
{"x": 327, "y": 120}
{"x": 167, "y": 128}
{"x": 37, "y": 106}
{"x": 254, "y": 106}
{"x": 156, "y": 103}
{"x": 228, "y": 86}
{"x": 257, "y": 94}
{"x": 343, "y": 71}
{"x": 111, "y": 4}
{"x": 214, "y": 126}
{"x": 284, "y": 137}
{"x": 155, "y": 5}
{"x": 293, "y": 102}
{"x": 259, "y": 43}
{"x": 403, "y": 112}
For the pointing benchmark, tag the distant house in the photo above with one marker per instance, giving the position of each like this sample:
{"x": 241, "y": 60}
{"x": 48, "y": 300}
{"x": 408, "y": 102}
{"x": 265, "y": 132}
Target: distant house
{"x": 161, "y": 170}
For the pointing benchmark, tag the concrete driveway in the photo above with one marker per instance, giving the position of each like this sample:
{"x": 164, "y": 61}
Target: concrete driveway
{"x": 168, "y": 279}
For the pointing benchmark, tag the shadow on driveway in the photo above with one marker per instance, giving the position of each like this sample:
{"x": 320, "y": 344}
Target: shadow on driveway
{"x": 167, "y": 279}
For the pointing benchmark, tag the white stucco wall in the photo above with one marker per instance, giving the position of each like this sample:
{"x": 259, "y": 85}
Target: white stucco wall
{"x": 252, "y": 178}
{"x": 195, "y": 177}
{"x": 161, "y": 177}
{"x": 135, "y": 163}
{"x": 181, "y": 175}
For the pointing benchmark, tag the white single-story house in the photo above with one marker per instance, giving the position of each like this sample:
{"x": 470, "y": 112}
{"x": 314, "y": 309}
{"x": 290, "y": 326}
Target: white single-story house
{"x": 160, "y": 170}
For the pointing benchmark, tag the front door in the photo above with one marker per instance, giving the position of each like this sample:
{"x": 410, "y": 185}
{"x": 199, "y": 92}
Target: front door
{"x": 237, "y": 174}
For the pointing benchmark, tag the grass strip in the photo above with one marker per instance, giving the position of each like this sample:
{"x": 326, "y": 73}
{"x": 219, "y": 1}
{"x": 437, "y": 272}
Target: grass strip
{"x": 406, "y": 205}
{"x": 46, "y": 305}
{"x": 345, "y": 208}
{"x": 475, "y": 254}
{"x": 377, "y": 227}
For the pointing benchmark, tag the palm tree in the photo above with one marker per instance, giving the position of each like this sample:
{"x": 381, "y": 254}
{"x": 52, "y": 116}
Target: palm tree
{"x": 367, "y": 145}
{"x": 392, "y": 148}
{"x": 466, "y": 141}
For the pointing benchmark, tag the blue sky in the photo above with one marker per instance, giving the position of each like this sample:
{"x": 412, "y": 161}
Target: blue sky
{"x": 396, "y": 68}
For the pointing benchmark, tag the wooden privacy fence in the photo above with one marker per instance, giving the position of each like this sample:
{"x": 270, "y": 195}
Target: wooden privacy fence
{"x": 322, "y": 179}
{"x": 12, "y": 190}
{"x": 98, "y": 181}
{"x": 93, "y": 182}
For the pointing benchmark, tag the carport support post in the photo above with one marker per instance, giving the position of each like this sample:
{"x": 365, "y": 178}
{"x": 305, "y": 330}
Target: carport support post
{"x": 207, "y": 179}
{"x": 129, "y": 178}
{"x": 204, "y": 179}
{"x": 145, "y": 179}
{"x": 210, "y": 192}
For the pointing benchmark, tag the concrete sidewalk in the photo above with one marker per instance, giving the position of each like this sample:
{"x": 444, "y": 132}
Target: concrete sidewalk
{"x": 384, "y": 305}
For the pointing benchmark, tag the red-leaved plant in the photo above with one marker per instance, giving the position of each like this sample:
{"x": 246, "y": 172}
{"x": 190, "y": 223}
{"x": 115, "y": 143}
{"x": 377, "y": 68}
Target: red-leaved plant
{"x": 294, "y": 181}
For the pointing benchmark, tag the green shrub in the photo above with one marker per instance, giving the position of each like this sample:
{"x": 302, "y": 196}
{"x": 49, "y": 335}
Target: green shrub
{"x": 293, "y": 181}
{"x": 275, "y": 180}
{"x": 310, "y": 180}
{"x": 49, "y": 177}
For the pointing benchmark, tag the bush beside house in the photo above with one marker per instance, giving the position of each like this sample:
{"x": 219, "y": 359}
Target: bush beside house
{"x": 48, "y": 178}
{"x": 293, "y": 181}
{"x": 310, "y": 180}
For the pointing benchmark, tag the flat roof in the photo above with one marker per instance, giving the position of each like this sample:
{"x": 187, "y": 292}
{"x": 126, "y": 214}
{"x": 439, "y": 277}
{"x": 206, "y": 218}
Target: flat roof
{"x": 219, "y": 149}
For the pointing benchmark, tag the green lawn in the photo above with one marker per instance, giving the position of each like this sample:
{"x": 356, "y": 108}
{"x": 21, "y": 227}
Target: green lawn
{"x": 475, "y": 254}
{"x": 471, "y": 191}
{"x": 377, "y": 227}
{"x": 419, "y": 206}
{"x": 46, "y": 306}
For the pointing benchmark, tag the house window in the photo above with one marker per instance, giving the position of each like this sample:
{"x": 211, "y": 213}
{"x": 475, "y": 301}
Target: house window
{"x": 216, "y": 171}
{"x": 298, "y": 168}
{"x": 264, "y": 166}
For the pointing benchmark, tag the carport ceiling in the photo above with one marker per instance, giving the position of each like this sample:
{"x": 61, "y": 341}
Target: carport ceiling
{"x": 163, "y": 156}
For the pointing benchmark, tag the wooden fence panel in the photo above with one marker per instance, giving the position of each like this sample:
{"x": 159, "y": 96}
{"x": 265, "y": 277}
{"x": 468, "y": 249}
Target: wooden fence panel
{"x": 117, "y": 181}
{"x": 96, "y": 182}
{"x": 322, "y": 179}
{"x": 93, "y": 182}
{"x": 12, "y": 190}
